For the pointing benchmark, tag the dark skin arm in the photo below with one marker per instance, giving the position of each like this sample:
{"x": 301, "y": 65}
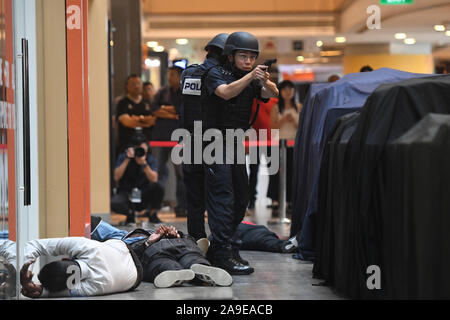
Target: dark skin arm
{"x": 130, "y": 121}
{"x": 151, "y": 175}
{"x": 170, "y": 232}
{"x": 166, "y": 113}
{"x": 29, "y": 288}
{"x": 147, "y": 121}
{"x": 120, "y": 171}
{"x": 170, "y": 109}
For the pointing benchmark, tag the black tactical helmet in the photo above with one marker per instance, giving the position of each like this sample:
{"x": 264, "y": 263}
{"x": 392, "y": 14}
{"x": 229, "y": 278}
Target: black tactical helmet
{"x": 218, "y": 41}
{"x": 241, "y": 41}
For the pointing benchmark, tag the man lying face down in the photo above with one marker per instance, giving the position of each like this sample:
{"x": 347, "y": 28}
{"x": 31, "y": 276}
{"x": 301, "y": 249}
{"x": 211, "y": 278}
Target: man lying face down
{"x": 169, "y": 258}
{"x": 93, "y": 268}
{"x": 164, "y": 257}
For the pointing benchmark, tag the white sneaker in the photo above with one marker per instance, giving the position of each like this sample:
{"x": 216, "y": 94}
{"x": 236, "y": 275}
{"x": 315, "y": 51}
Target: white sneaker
{"x": 173, "y": 278}
{"x": 212, "y": 275}
{"x": 290, "y": 246}
{"x": 204, "y": 245}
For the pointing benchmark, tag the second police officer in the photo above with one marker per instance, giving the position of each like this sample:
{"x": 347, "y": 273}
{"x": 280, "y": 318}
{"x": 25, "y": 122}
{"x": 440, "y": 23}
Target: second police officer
{"x": 232, "y": 88}
{"x": 191, "y": 111}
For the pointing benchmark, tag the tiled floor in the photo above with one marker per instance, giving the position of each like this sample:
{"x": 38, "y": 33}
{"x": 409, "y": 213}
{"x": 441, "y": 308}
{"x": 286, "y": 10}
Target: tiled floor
{"x": 276, "y": 277}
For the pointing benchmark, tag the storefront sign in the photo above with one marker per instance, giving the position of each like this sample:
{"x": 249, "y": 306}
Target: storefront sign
{"x": 396, "y": 2}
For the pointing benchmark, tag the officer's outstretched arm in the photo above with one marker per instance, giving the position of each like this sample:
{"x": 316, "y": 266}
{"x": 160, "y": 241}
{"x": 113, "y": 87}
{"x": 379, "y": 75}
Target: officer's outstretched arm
{"x": 269, "y": 90}
{"x": 232, "y": 90}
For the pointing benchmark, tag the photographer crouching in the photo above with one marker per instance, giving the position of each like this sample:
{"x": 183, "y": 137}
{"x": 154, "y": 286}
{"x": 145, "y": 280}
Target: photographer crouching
{"x": 136, "y": 176}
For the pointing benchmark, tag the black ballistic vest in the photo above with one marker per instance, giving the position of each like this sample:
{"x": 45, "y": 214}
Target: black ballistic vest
{"x": 193, "y": 95}
{"x": 234, "y": 113}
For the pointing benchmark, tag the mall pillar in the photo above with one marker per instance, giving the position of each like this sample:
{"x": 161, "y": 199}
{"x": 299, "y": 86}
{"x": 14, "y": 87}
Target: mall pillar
{"x": 78, "y": 117}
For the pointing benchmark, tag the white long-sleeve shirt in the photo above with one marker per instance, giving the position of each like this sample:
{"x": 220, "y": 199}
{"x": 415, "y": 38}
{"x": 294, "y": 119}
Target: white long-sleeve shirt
{"x": 106, "y": 267}
{"x": 8, "y": 251}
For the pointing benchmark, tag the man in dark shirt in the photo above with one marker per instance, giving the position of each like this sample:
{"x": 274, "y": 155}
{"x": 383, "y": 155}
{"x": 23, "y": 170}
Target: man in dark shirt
{"x": 166, "y": 108}
{"x": 133, "y": 112}
{"x": 136, "y": 176}
{"x": 148, "y": 92}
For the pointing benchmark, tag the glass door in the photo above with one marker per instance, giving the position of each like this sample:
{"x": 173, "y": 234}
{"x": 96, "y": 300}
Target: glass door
{"x": 8, "y": 248}
{"x": 26, "y": 133}
{"x": 18, "y": 139}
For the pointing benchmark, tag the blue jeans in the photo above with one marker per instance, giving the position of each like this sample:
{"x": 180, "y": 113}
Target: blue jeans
{"x": 105, "y": 231}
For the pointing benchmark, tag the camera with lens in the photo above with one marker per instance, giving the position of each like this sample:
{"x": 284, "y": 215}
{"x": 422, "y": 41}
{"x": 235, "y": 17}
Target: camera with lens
{"x": 136, "y": 141}
{"x": 139, "y": 152}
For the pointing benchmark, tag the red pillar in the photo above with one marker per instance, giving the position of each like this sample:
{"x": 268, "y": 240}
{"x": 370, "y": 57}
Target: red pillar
{"x": 78, "y": 117}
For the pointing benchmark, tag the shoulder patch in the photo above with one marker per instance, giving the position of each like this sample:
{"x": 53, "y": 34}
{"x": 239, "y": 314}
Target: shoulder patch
{"x": 192, "y": 87}
{"x": 226, "y": 72}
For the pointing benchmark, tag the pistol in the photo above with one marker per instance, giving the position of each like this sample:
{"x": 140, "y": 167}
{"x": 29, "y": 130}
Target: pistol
{"x": 269, "y": 63}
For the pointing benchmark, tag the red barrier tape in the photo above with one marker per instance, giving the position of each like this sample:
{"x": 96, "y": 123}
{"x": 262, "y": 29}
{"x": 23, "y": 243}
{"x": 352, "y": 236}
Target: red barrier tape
{"x": 171, "y": 144}
{"x": 163, "y": 144}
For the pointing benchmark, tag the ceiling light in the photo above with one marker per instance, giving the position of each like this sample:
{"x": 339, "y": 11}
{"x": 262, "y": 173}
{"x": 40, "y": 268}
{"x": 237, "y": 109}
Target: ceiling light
{"x": 152, "y": 63}
{"x": 410, "y": 41}
{"x": 152, "y": 44}
{"x": 340, "y": 39}
{"x": 319, "y": 43}
{"x": 300, "y": 58}
{"x": 182, "y": 42}
{"x": 447, "y": 33}
{"x": 400, "y": 36}
{"x": 439, "y": 27}
{"x": 158, "y": 49}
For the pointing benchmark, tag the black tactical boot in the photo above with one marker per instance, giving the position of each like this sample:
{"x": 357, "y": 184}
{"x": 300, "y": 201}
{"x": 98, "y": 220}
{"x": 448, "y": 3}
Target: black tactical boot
{"x": 233, "y": 266}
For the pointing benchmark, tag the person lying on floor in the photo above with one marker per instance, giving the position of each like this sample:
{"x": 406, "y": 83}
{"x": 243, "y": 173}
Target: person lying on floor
{"x": 169, "y": 258}
{"x": 260, "y": 238}
{"x": 254, "y": 237}
{"x": 92, "y": 268}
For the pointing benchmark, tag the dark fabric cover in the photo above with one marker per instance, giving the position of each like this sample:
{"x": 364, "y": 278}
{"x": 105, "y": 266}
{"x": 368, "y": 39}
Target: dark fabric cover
{"x": 323, "y": 107}
{"x": 330, "y": 186}
{"x": 415, "y": 218}
{"x": 354, "y": 200}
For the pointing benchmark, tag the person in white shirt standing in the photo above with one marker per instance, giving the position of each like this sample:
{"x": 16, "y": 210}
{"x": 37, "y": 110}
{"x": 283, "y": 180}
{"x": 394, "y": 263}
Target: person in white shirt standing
{"x": 93, "y": 268}
{"x": 285, "y": 117}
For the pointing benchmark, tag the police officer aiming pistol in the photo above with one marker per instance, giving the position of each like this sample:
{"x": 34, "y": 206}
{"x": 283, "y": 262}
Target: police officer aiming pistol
{"x": 231, "y": 89}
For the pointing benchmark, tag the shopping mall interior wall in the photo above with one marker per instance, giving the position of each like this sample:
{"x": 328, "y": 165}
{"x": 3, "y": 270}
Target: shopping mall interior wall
{"x": 418, "y": 63}
{"x": 52, "y": 122}
{"x": 127, "y": 51}
{"x": 238, "y": 6}
{"x": 99, "y": 105}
